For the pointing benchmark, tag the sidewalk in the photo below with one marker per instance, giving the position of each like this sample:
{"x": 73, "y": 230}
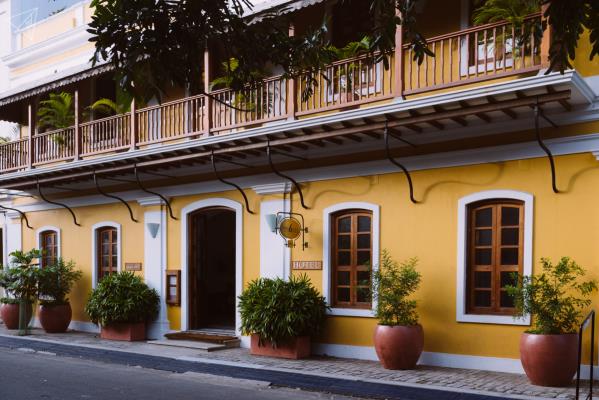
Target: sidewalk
{"x": 452, "y": 380}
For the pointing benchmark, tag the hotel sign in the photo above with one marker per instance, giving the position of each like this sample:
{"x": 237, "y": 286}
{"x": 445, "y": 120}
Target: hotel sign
{"x": 307, "y": 265}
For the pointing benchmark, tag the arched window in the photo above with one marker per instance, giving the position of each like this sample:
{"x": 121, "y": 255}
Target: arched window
{"x": 107, "y": 251}
{"x": 351, "y": 258}
{"x": 49, "y": 247}
{"x": 495, "y": 246}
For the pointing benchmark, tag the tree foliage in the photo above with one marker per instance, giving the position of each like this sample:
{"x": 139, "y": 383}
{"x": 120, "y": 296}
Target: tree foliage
{"x": 158, "y": 44}
{"x": 56, "y": 281}
{"x": 555, "y": 298}
{"x": 392, "y": 284}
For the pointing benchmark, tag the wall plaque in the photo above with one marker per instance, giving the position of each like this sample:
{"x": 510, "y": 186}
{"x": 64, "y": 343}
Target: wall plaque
{"x": 307, "y": 265}
{"x": 132, "y": 266}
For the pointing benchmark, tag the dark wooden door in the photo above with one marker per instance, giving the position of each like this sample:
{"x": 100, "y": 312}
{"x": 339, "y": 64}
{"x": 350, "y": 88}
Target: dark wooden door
{"x": 212, "y": 269}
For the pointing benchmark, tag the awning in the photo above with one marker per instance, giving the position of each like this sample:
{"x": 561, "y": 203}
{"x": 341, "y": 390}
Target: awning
{"x": 65, "y": 78}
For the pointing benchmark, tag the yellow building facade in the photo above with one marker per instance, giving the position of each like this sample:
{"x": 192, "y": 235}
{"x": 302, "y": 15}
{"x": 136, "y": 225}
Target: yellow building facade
{"x": 484, "y": 204}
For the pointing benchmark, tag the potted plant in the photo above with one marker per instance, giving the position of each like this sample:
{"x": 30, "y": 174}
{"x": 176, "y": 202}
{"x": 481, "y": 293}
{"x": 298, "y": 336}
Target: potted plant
{"x": 121, "y": 304}
{"x": 55, "y": 283}
{"x": 398, "y": 337}
{"x": 20, "y": 282}
{"x": 281, "y": 316}
{"x": 555, "y": 298}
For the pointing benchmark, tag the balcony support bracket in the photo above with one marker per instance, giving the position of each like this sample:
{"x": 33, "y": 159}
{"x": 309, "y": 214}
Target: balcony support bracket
{"x": 269, "y": 152}
{"x": 538, "y": 113}
{"x": 143, "y": 189}
{"x": 21, "y": 213}
{"x": 229, "y": 183}
{"x": 69, "y": 209}
{"x": 398, "y": 164}
{"x": 112, "y": 196}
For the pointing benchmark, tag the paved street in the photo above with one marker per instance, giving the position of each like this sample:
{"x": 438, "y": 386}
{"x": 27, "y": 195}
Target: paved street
{"x": 29, "y": 376}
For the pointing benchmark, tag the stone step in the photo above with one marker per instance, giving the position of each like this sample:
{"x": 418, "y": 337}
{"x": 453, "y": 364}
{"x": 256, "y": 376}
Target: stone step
{"x": 211, "y": 336}
{"x": 196, "y": 344}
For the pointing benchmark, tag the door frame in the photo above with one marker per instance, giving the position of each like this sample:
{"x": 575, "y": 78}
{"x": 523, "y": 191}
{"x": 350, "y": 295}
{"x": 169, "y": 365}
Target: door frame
{"x": 185, "y": 212}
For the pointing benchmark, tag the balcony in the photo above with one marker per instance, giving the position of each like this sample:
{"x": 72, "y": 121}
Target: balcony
{"x": 464, "y": 58}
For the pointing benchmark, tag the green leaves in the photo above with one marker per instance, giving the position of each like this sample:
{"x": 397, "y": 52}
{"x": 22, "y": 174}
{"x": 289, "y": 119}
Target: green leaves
{"x": 392, "y": 284}
{"x": 122, "y": 297}
{"x": 56, "y": 112}
{"x": 279, "y": 310}
{"x": 21, "y": 279}
{"x": 555, "y": 297}
{"x": 56, "y": 281}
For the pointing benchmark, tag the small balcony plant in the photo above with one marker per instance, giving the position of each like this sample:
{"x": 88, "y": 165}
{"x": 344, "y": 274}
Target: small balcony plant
{"x": 398, "y": 337}
{"x": 281, "y": 316}
{"x": 122, "y": 304}
{"x": 55, "y": 283}
{"x": 555, "y": 298}
{"x": 20, "y": 281}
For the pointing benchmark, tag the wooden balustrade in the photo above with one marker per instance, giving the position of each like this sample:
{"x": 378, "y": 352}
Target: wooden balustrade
{"x": 346, "y": 83}
{"x": 169, "y": 121}
{"x": 264, "y": 102}
{"x": 106, "y": 134}
{"x": 14, "y": 155}
{"x": 475, "y": 54}
{"x": 472, "y": 55}
{"x": 54, "y": 146}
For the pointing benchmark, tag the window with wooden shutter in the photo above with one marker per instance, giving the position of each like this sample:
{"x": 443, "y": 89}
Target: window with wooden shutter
{"x": 107, "y": 251}
{"x": 495, "y": 253}
{"x": 351, "y": 259}
{"x": 49, "y": 248}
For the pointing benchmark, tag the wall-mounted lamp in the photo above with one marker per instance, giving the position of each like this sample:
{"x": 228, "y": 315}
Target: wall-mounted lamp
{"x": 290, "y": 226}
{"x": 153, "y": 228}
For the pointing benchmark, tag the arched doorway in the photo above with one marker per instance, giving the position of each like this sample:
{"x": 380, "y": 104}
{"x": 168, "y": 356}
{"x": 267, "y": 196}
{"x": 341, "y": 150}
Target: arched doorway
{"x": 211, "y": 268}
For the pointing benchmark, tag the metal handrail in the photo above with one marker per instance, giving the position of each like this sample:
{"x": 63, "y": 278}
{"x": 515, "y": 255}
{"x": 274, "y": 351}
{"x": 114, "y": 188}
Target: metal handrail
{"x": 590, "y": 318}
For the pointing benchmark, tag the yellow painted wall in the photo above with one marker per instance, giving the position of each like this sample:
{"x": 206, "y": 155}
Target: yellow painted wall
{"x": 564, "y": 224}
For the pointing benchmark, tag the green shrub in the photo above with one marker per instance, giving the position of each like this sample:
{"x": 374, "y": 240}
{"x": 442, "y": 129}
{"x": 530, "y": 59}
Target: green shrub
{"x": 122, "y": 298}
{"x": 56, "y": 281}
{"x": 392, "y": 284}
{"x": 555, "y": 297}
{"x": 21, "y": 279}
{"x": 279, "y": 310}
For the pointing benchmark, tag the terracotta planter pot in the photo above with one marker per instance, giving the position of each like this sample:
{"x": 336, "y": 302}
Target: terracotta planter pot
{"x": 10, "y": 315}
{"x": 295, "y": 349}
{"x": 398, "y": 347}
{"x": 126, "y": 332}
{"x": 549, "y": 360}
{"x": 55, "y": 318}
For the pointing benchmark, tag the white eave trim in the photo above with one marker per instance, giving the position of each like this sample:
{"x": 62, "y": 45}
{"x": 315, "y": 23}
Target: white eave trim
{"x": 71, "y": 39}
{"x": 540, "y": 81}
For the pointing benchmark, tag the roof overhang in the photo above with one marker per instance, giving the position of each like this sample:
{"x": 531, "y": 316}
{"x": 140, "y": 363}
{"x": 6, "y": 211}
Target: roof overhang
{"x": 423, "y": 122}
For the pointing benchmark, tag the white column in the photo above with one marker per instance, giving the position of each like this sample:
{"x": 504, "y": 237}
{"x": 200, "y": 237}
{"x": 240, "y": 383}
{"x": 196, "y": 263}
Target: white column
{"x": 155, "y": 264}
{"x": 13, "y": 235}
{"x": 274, "y": 255}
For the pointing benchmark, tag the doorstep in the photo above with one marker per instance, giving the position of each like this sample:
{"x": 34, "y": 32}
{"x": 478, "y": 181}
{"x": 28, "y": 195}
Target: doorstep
{"x": 192, "y": 344}
{"x": 486, "y": 383}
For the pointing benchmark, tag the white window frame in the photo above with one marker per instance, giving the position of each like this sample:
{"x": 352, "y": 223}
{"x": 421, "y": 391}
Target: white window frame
{"x": 462, "y": 259}
{"x": 49, "y": 228}
{"x": 119, "y": 242}
{"x": 326, "y": 248}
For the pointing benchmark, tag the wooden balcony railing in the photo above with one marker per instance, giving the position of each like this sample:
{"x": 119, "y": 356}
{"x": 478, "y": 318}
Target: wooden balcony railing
{"x": 475, "y": 54}
{"x": 472, "y": 55}
{"x": 346, "y": 83}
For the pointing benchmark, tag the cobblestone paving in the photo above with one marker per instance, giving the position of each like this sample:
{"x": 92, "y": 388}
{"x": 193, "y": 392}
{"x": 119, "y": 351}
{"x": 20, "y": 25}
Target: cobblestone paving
{"x": 457, "y": 379}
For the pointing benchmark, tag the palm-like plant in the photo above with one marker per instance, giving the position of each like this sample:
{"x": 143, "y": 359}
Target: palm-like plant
{"x": 513, "y": 11}
{"x": 57, "y": 112}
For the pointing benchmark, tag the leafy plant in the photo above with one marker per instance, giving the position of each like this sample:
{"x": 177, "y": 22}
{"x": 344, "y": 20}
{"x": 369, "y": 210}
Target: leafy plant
{"x": 21, "y": 279}
{"x": 122, "y": 298}
{"x": 392, "y": 284}
{"x": 57, "y": 112}
{"x": 555, "y": 297}
{"x": 56, "y": 281}
{"x": 513, "y": 11}
{"x": 279, "y": 310}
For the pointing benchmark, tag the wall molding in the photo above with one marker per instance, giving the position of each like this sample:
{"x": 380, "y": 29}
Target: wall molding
{"x": 272, "y": 188}
{"x": 326, "y": 252}
{"x": 561, "y": 146}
